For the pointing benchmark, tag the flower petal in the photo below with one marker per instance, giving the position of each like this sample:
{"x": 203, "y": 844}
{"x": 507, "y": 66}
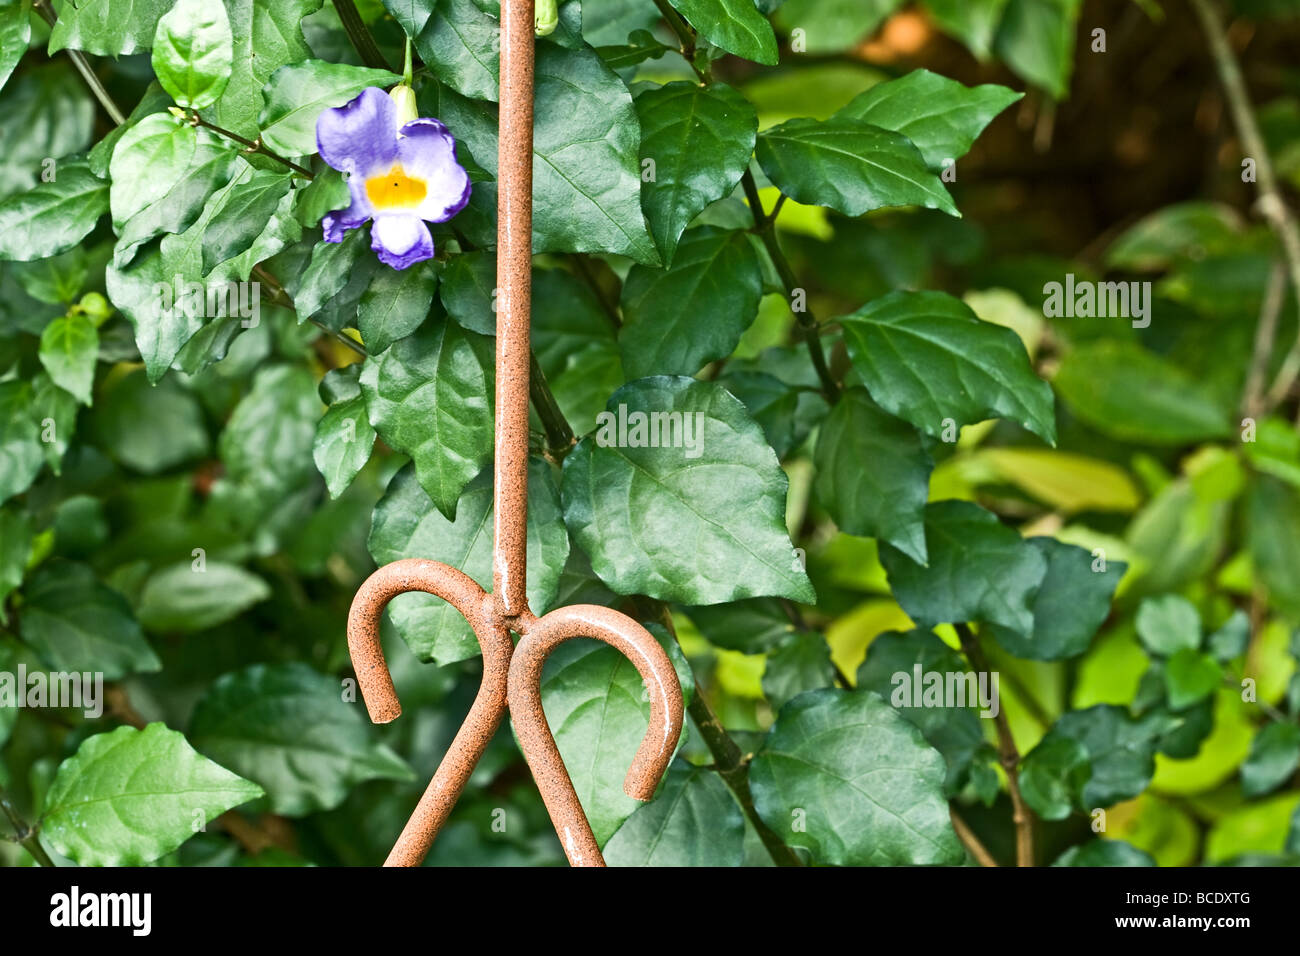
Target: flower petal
{"x": 401, "y": 240}
{"x": 359, "y": 136}
{"x": 427, "y": 151}
{"x": 339, "y": 221}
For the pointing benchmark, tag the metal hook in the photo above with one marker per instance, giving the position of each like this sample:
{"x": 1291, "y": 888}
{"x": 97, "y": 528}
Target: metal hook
{"x": 463, "y": 593}
{"x": 541, "y": 637}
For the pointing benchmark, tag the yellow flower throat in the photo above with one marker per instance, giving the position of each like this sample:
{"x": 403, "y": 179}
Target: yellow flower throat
{"x": 395, "y": 190}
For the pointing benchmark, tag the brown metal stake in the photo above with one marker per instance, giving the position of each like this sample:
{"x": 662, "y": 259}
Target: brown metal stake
{"x": 512, "y": 674}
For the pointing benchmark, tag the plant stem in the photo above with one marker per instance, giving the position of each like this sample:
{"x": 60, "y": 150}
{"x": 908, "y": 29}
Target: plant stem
{"x": 83, "y": 67}
{"x": 253, "y": 146}
{"x": 26, "y": 835}
{"x": 584, "y": 271}
{"x": 765, "y": 229}
{"x": 1252, "y": 399}
{"x": 732, "y": 765}
{"x": 278, "y": 296}
{"x": 1270, "y": 203}
{"x": 969, "y": 840}
{"x": 558, "y": 433}
{"x": 1008, "y": 755}
{"x": 685, "y": 35}
{"x": 362, "y": 39}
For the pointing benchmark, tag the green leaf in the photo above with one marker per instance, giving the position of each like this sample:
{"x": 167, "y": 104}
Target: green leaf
{"x": 692, "y": 821}
{"x": 1273, "y": 532}
{"x": 394, "y": 304}
{"x": 150, "y": 428}
{"x": 331, "y": 265}
{"x": 15, "y": 33}
{"x": 1071, "y": 604}
{"x": 461, "y": 44}
{"x": 297, "y": 93}
{"x": 754, "y": 626}
{"x": 1120, "y": 748}
{"x": 69, "y": 348}
{"x": 287, "y": 727}
{"x": 896, "y": 668}
{"x": 1232, "y": 639}
{"x": 926, "y": 358}
{"x": 20, "y": 449}
{"x": 787, "y": 413}
{"x": 149, "y": 159}
{"x": 974, "y": 22}
{"x": 1168, "y": 624}
{"x": 193, "y": 52}
{"x": 56, "y": 411}
{"x": 700, "y": 139}
{"x": 406, "y": 525}
{"x": 1186, "y": 229}
{"x": 734, "y": 25}
{"x": 1171, "y": 408}
{"x": 107, "y": 27}
{"x": 833, "y": 26}
{"x": 598, "y": 709}
{"x": 1105, "y": 853}
{"x": 873, "y": 474}
{"x": 716, "y": 277}
{"x": 1191, "y": 677}
{"x": 130, "y": 796}
{"x": 267, "y": 442}
{"x": 77, "y": 624}
{"x": 719, "y": 486}
{"x": 801, "y": 662}
{"x": 1274, "y": 755}
{"x": 1036, "y": 39}
{"x": 429, "y": 396}
{"x": 816, "y": 785}
{"x": 16, "y": 537}
{"x": 586, "y": 177}
{"x": 850, "y": 166}
{"x": 467, "y": 288}
{"x": 245, "y": 209}
{"x": 267, "y": 36}
{"x": 344, "y": 441}
{"x": 940, "y": 116}
{"x": 188, "y": 597}
{"x": 54, "y": 216}
{"x": 1052, "y": 777}
{"x": 979, "y": 570}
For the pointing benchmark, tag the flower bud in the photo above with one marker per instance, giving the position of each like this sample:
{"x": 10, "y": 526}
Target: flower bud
{"x": 404, "y": 99}
{"x": 547, "y": 17}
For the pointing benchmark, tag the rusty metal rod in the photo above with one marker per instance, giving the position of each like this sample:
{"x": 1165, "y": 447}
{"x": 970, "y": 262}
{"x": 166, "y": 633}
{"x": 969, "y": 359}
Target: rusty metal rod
{"x": 543, "y": 635}
{"x": 464, "y": 594}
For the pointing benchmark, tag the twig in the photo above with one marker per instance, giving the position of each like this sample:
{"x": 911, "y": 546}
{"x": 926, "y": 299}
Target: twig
{"x": 83, "y": 67}
{"x": 969, "y": 840}
{"x": 685, "y": 35}
{"x": 1252, "y": 397}
{"x": 764, "y": 229}
{"x": 558, "y": 433}
{"x": 26, "y": 835}
{"x": 278, "y": 296}
{"x": 584, "y": 272}
{"x": 1008, "y": 756}
{"x": 253, "y": 146}
{"x": 1270, "y": 203}
{"x": 362, "y": 39}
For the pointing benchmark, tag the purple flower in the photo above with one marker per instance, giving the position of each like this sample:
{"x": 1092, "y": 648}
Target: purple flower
{"x": 401, "y": 175}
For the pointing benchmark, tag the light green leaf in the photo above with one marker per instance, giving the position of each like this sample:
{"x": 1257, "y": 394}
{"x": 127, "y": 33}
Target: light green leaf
{"x": 677, "y": 320}
{"x": 193, "y": 51}
{"x": 926, "y": 358}
{"x": 343, "y": 444}
{"x": 881, "y": 805}
{"x": 130, "y": 796}
{"x": 77, "y": 624}
{"x": 54, "y": 216}
{"x": 429, "y": 396}
{"x": 734, "y": 25}
{"x": 21, "y": 456}
{"x": 873, "y": 474}
{"x": 719, "y": 487}
{"x": 700, "y": 139}
{"x": 850, "y": 166}
{"x": 107, "y": 27}
{"x": 183, "y": 598}
{"x": 1191, "y": 677}
{"x": 1169, "y": 624}
{"x": 288, "y": 728}
{"x": 692, "y": 821}
{"x": 940, "y": 116}
{"x": 266, "y": 36}
{"x": 407, "y": 525}
{"x": 1273, "y": 532}
{"x": 149, "y": 159}
{"x": 296, "y": 95}
{"x": 15, "y": 33}
{"x": 68, "y": 350}
{"x": 979, "y": 570}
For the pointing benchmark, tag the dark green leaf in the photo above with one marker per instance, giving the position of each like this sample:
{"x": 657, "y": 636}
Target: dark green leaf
{"x": 107, "y": 27}
{"x": 1273, "y": 531}
{"x": 1053, "y": 775}
{"x": 244, "y": 211}
{"x": 1274, "y": 755}
{"x": 799, "y": 663}
{"x": 194, "y": 596}
{"x": 692, "y": 821}
{"x": 467, "y": 291}
{"x": 754, "y": 626}
{"x": 734, "y": 25}
{"x": 54, "y": 216}
{"x": 343, "y": 444}
{"x": 150, "y": 428}
{"x": 267, "y": 36}
{"x": 1191, "y": 677}
{"x": 1105, "y": 853}
{"x": 974, "y": 22}
{"x": 832, "y": 26}
{"x": 20, "y": 449}
{"x": 1121, "y": 750}
{"x": 1036, "y": 39}
{"x": 394, "y": 304}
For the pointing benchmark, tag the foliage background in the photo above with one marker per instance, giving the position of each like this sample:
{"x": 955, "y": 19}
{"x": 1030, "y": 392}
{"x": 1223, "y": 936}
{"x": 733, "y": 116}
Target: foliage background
{"x": 1121, "y": 164}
